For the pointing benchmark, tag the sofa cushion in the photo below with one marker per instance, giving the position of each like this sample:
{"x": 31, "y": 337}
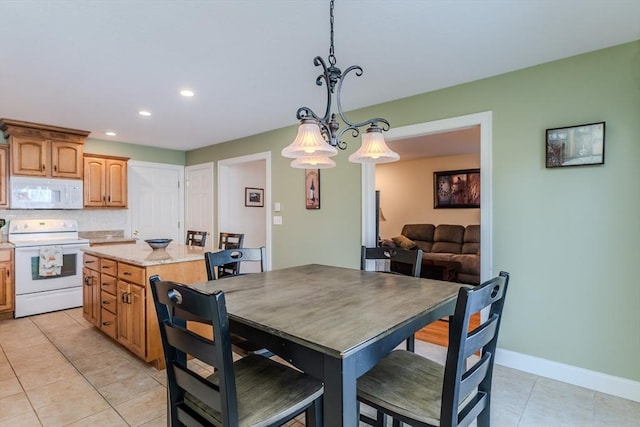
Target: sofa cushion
{"x": 404, "y": 242}
{"x": 421, "y": 232}
{"x": 448, "y": 238}
{"x": 471, "y": 243}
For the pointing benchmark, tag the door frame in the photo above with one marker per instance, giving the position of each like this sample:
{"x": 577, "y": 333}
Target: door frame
{"x": 224, "y": 168}
{"x": 484, "y": 120}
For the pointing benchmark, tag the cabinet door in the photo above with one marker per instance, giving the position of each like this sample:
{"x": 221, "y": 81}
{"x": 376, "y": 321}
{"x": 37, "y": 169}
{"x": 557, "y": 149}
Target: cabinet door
{"x": 29, "y": 156}
{"x": 66, "y": 160}
{"x": 116, "y": 178}
{"x": 4, "y": 179}
{"x": 6, "y": 286}
{"x": 124, "y": 334}
{"x": 94, "y": 181}
{"x": 137, "y": 320}
{"x": 91, "y": 296}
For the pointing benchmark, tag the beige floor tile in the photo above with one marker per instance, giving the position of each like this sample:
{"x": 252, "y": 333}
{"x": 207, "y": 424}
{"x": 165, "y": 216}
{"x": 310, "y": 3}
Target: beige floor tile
{"x": 31, "y": 354}
{"x": 10, "y": 387}
{"x": 6, "y": 372}
{"x": 72, "y": 409}
{"x": 28, "y": 419}
{"x": 46, "y": 375}
{"x": 37, "y": 360}
{"x": 553, "y": 403}
{"x": 145, "y": 407}
{"x": 613, "y": 411}
{"x": 107, "y": 418}
{"x": 49, "y": 322}
{"x": 156, "y": 422}
{"x": 14, "y": 406}
{"x": 128, "y": 388}
{"x": 21, "y": 341}
{"x": 59, "y": 391}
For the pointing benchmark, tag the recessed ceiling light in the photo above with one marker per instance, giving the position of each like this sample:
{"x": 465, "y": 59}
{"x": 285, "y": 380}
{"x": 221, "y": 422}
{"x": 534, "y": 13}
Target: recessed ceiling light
{"x": 144, "y": 113}
{"x": 186, "y": 92}
{"x": 110, "y": 133}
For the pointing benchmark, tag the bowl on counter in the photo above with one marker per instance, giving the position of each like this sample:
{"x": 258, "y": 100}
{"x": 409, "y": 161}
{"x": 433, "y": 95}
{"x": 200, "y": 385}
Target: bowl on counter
{"x": 158, "y": 243}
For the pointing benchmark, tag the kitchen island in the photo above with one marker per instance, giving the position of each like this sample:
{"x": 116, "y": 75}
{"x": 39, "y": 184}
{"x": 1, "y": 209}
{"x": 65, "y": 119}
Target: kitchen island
{"x": 116, "y": 294}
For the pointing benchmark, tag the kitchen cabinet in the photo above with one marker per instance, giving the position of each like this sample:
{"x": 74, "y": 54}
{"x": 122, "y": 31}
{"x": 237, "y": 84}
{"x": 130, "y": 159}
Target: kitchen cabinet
{"x": 91, "y": 290}
{"x": 4, "y": 178}
{"x": 126, "y": 307}
{"x": 105, "y": 181}
{"x": 6, "y": 284}
{"x": 43, "y": 150}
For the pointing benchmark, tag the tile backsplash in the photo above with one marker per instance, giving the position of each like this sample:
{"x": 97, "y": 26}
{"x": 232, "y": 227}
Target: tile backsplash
{"x": 88, "y": 219}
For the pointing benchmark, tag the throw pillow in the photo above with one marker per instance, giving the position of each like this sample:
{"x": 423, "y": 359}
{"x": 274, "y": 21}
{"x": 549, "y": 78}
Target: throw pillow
{"x": 404, "y": 242}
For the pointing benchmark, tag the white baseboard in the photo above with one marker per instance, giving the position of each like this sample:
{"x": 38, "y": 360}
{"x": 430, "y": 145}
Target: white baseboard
{"x": 592, "y": 380}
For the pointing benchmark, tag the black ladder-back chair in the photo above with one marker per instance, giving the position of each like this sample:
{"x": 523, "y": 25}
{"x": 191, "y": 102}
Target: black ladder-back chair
{"x": 196, "y": 238}
{"x": 215, "y": 262}
{"x": 421, "y": 392}
{"x": 252, "y": 391}
{"x": 401, "y": 261}
{"x": 230, "y": 241}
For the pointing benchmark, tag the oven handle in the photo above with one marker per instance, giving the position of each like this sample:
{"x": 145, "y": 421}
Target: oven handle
{"x": 71, "y": 246}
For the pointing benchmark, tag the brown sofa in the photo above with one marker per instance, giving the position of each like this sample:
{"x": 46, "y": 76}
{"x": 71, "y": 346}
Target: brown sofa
{"x": 444, "y": 242}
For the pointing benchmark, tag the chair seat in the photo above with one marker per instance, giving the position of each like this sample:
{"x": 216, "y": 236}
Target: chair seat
{"x": 266, "y": 391}
{"x": 407, "y": 384}
{"x": 244, "y": 347}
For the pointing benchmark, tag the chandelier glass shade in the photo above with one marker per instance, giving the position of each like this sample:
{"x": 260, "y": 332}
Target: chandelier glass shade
{"x": 319, "y": 138}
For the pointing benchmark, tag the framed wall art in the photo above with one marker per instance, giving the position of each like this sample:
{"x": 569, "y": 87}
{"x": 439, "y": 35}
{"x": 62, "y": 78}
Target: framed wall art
{"x": 456, "y": 189}
{"x": 312, "y": 188}
{"x": 254, "y": 197}
{"x": 575, "y": 145}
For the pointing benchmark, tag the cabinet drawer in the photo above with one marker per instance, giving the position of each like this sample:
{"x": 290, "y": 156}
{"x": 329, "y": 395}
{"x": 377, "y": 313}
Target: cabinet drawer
{"x": 108, "y": 266}
{"x": 109, "y": 324}
{"x": 108, "y": 302}
{"x": 131, "y": 273}
{"x": 5, "y": 255}
{"x": 108, "y": 283}
{"x": 91, "y": 262}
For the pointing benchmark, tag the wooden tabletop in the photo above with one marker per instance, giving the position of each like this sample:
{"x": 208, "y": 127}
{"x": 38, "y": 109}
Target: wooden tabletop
{"x": 330, "y": 309}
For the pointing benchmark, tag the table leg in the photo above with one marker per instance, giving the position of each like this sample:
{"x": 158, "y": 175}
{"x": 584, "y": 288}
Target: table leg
{"x": 340, "y": 389}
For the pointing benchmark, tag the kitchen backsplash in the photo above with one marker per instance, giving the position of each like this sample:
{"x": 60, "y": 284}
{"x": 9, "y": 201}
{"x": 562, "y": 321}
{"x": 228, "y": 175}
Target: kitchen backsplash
{"x": 88, "y": 219}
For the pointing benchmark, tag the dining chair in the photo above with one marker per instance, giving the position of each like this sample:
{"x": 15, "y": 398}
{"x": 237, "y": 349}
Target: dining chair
{"x": 215, "y": 262}
{"x": 415, "y": 390}
{"x": 252, "y": 391}
{"x": 196, "y": 238}
{"x": 230, "y": 241}
{"x": 400, "y": 261}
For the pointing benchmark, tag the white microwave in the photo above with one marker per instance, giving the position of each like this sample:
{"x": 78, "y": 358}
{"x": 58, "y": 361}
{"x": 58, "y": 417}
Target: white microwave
{"x": 45, "y": 193}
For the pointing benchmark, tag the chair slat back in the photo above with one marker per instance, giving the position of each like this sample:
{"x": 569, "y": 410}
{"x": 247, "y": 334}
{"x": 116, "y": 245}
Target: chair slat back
{"x": 175, "y": 305}
{"x": 196, "y": 238}
{"x": 460, "y": 380}
{"x": 412, "y": 258}
{"x": 216, "y": 260}
{"x": 230, "y": 240}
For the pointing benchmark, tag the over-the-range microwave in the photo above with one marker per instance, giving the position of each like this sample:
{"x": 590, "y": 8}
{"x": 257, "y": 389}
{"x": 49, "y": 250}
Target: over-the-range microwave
{"x": 45, "y": 193}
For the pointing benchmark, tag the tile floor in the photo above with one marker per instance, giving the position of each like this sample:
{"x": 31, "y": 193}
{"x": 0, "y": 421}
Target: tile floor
{"x": 57, "y": 370}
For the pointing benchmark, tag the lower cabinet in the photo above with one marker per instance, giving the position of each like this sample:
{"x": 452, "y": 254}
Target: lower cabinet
{"x": 131, "y": 317}
{"x": 91, "y": 296}
{"x": 6, "y": 283}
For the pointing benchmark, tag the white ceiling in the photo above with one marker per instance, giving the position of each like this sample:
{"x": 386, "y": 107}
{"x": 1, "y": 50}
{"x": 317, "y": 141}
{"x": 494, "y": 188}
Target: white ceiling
{"x": 93, "y": 65}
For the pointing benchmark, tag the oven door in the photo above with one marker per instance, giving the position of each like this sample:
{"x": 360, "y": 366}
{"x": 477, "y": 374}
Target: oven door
{"x": 27, "y": 270}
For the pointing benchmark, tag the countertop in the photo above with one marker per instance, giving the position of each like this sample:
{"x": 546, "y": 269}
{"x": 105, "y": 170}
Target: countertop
{"x": 141, "y": 254}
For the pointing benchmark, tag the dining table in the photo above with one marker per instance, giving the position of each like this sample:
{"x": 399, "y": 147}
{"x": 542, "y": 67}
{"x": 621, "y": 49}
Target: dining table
{"x": 333, "y": 323}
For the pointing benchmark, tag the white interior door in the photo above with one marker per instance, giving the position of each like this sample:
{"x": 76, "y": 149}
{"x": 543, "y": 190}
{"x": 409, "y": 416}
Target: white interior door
{"x": 155, "y": 200}
{"x": 199, "y": 200}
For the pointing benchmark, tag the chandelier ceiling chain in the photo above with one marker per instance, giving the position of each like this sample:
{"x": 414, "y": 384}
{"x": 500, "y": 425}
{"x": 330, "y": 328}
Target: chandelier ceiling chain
{"x": 319, "y": 137}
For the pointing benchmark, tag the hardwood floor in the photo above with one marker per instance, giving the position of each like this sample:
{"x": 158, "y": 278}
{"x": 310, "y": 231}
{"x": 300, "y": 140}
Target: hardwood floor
{"x": 438, "y": 332}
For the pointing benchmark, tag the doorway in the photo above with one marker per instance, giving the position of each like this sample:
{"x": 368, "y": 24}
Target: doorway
{"x": 483, "y": 120}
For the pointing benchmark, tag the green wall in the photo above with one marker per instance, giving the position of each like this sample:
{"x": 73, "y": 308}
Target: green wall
{"x": 134, "y": 152}
{"x": 568, "y": 236}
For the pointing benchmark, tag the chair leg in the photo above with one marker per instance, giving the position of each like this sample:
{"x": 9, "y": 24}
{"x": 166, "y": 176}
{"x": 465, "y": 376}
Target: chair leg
{"x": 313, "y": 414}
{"x": 484, "y": 417}
{"x": 396, "y": 423}
{"x": 411, "y": 344}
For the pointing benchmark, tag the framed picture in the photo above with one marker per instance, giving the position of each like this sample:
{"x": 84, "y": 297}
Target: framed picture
{"x": 575, "y": 145}
{"x": 254, "y": 197}
{"x": 312, "y": 188}
{"x": 456, "y": 189}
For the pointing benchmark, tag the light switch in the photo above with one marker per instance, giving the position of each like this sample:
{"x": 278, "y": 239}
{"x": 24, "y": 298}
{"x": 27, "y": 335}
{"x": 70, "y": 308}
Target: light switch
{"x": 277, "y": 220}
{"x": 276, "y": 207}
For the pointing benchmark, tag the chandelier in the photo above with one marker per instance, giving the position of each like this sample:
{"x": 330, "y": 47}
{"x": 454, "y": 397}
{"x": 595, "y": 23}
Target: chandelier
{"x": 319, "y": 138}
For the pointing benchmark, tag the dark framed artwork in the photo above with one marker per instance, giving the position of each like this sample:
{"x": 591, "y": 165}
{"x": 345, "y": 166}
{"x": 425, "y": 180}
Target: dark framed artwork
{"x": 254, "y": 197}
{"x": 456, "y": 189}
{"x": 312, "y": 188}
{"x": 575, "y": 145}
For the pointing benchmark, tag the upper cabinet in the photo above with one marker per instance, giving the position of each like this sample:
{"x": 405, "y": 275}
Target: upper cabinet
{"x": 4, "y": 178}
{"x": 105, "y": 181}
{"x": 43, "y": 150}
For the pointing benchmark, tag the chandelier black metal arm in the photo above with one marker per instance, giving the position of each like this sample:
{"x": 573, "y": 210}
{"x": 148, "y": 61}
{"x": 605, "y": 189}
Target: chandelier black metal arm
{"x": 333, "y": 78}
